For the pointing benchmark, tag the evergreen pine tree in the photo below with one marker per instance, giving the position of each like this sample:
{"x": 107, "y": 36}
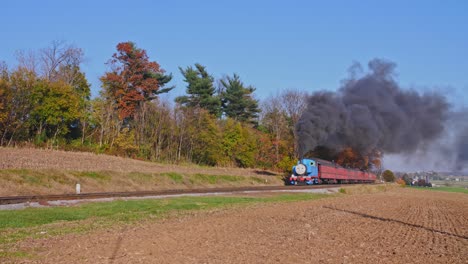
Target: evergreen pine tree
{"x": 200, "y": 90}
{"x": 237, "y": 100}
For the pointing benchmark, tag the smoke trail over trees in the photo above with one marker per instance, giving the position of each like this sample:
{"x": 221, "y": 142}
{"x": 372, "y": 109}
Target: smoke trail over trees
{"x": 371, "y": 114}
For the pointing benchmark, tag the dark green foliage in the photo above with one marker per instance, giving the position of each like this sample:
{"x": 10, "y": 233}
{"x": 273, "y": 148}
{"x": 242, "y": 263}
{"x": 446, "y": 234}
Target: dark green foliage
{"x": 237, "y": 100}
{"x": 388, "y": 176}
{"x": 200, "y": 90}
{"x": 163, "y": 79}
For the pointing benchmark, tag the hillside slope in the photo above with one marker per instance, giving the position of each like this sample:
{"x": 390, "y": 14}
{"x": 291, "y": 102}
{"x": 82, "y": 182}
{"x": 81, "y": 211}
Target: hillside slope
{"x": 36, "y": 171}
{"x": 27, "y": 158}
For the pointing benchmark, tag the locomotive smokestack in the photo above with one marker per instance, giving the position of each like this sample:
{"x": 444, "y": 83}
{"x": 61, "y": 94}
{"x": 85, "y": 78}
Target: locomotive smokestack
{"x": 372, "y": 113}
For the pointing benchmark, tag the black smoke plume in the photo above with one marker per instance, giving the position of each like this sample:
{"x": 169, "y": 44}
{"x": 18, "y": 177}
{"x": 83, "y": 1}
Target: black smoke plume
{"x": 448, "y": 153}
{"x": 372, "y": 114}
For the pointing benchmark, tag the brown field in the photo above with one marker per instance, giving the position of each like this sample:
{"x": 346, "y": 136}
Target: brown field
{"x": 398, "y": 226}
{"x": 25, "y": 171}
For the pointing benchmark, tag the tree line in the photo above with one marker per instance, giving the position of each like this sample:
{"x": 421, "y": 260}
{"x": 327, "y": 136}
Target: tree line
{"x": 46, "y": 101}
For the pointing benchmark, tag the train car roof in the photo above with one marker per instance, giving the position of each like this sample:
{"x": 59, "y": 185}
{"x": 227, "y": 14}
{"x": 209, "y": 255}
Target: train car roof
{"x": 334, "y": 164}
{"x": 325, "y": 162}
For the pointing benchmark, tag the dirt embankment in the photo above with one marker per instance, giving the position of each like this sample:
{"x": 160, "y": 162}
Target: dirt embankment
{"x": 35, "y": 171}
{"x": 397, "y": 226}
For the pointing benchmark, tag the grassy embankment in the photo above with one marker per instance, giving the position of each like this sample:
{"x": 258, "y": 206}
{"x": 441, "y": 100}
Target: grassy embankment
{"x": 47, "y": 181}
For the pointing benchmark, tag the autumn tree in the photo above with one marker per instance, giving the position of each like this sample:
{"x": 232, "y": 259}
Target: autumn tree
{"x": 237, "y": 144}
{"x": 407, "y": 179}
{"x": 58, "y": 61}
{"x": 71, "y": 75}
{"x": 388, "y": 176}
{"x": 237, "y": 100}
{"x": 265, "y": 156}
{"x": 159, "y": 132}
{"x": 182, "y": 119}
{"x": 200, "y": 90}
{"x": 27, "y": 60}
{"x": 17, "y": 87}
{"x": 105, "y": 121}
{"x": 294, "y": 103}
{"x": 133, "y": 80}
{"x": 274, "y": 122}
{"x": 82, "y": 89}
{"x": 205, "y": 147}
{"x": 55, "y": 105}
{"x": 4, "y": 97}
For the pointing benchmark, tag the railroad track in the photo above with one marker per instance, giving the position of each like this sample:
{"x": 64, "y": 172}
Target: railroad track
{"x": 55, "y": 197}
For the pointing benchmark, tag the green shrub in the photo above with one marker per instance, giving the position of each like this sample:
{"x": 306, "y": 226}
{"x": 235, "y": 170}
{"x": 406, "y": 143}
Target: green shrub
{"x": 175, "y": 177}
{"x": 388, "y": 176}
{"x": 286, "y": 164}
{"x": 94, "y": 175}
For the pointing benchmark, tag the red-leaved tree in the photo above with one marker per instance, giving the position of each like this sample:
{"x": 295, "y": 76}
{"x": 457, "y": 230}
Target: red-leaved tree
{"x": 133, "y": 80}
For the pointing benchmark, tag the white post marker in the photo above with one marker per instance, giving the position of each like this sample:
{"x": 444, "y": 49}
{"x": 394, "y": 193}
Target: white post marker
{"x": 78, "y": 188}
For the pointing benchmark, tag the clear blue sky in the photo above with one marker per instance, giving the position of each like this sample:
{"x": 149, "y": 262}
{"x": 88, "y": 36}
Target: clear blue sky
{"x": 272, "y": 45}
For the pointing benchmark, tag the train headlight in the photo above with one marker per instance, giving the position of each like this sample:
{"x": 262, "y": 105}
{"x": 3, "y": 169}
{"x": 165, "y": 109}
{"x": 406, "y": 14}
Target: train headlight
{"x": 301, "y": 169}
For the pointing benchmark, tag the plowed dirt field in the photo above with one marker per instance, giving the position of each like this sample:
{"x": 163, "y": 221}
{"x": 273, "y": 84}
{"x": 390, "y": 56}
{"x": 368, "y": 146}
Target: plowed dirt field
{"x": 398, "y": 226}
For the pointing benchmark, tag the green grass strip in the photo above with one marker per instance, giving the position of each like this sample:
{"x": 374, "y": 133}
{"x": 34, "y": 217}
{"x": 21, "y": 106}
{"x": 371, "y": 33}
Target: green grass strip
{"x": 128, "y": 211}
{"x": 444, "y": 189}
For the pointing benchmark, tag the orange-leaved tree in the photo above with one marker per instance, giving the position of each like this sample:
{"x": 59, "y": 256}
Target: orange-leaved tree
{"x": 133, "y": 80}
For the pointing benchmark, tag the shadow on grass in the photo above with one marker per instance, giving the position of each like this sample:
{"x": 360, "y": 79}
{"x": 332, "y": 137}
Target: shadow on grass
{"x": 396, "y": 221}
{"x": 264, "y": 172}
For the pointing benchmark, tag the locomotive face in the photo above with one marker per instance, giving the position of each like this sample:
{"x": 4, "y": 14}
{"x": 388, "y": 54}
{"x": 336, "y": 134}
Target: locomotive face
{"x": 301, "y": 169}
{"x": 305, "y": 172}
